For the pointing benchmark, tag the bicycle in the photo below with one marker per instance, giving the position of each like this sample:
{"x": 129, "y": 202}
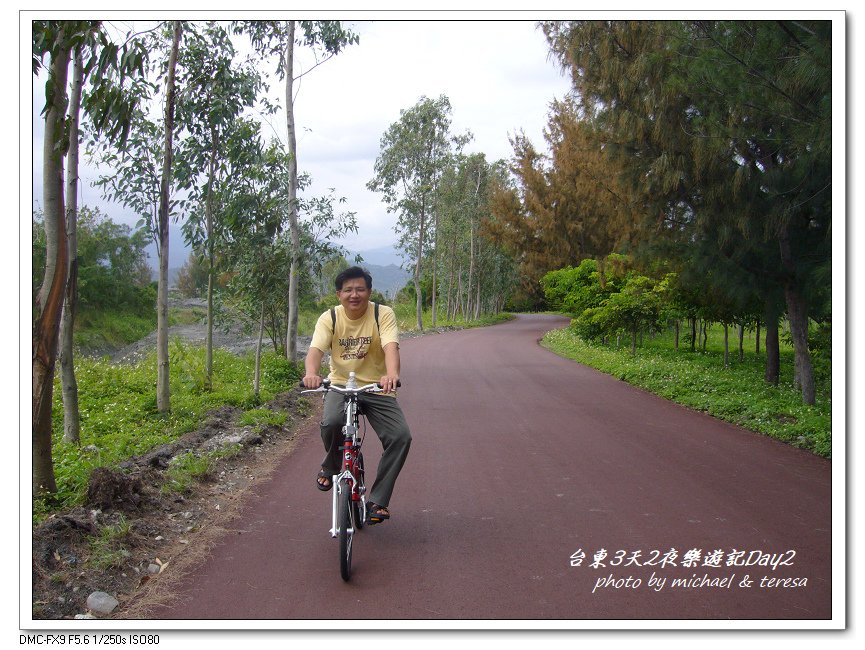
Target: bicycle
{"x": 349, "y": 491}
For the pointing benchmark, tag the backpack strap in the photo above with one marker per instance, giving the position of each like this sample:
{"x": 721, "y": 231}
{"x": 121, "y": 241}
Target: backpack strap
{"x": 375, "y": 312}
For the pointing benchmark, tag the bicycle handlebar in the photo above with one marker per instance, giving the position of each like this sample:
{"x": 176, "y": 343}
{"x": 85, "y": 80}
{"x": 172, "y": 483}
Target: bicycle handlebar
{"x": 326, "y": 385}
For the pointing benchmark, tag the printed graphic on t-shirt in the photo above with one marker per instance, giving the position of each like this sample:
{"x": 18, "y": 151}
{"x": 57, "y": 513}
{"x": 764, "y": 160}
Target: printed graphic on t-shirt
{"x": 354, "y": 347}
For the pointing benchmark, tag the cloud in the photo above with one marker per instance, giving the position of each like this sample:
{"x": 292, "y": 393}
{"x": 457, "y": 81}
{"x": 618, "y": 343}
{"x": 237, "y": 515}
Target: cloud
{"x": 496, "y": 74}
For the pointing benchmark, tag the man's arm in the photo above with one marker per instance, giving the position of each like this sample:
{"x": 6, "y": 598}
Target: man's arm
{"x": 312, "y": 365}
{"x": 391, "y": 365}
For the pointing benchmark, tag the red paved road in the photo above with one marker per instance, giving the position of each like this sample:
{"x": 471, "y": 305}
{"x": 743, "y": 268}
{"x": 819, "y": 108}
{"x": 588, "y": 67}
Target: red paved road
{"x": 519, "y": 460}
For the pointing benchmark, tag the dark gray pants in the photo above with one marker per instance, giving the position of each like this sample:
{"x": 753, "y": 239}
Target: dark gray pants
{"x": 385, "y": 416}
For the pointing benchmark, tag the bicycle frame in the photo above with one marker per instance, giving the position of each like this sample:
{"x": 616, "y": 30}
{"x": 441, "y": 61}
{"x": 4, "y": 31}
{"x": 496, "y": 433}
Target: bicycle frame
{"x": 350, "y": 448}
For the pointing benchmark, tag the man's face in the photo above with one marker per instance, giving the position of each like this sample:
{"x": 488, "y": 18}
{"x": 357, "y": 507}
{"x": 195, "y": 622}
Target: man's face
{"x": 354, "y": 297}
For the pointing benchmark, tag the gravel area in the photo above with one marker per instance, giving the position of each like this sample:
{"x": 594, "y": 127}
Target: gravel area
{"x": 237, "y": 338}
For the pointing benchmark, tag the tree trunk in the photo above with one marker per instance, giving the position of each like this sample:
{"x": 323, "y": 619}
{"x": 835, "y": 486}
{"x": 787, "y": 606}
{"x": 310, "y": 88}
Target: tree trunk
{"x": 471, "y": 266}
{"x": 797, "y": 313}
{"x": 291, "y": 334}
{"x": 773, "y": 349}
{"x": 693, "y": 334}
{"x": 458, "y": 297}
{"x": 435, "y": 264}
{"x": 163, "y": 393}
{"x": 417, "y": 268}
{"x": 758, "y": 338}
{"x": 741, "y": 341}
{"x": 257, "y": 380}
{"x": 208, "y": 216}
{"x": 460, "y": 306}
{"x": 69, "y": 385}
{"x": 49, "y": 305}
{"x": 451, "y": 312}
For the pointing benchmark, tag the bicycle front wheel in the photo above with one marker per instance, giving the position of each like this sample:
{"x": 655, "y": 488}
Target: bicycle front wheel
{"x": 346, "y": 530}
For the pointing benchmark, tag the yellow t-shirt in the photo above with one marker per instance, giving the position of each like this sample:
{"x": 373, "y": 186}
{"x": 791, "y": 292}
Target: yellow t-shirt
{"x": 356, "y": 345}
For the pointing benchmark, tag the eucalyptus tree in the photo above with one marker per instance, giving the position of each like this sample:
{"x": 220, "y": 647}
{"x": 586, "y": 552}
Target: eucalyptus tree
{"x": 141, "y": 178}
{"x": 278, "y": 39}
{"x": 414, "y": 151}
{"x": 456, "y": 200}
{"x": 68, "y": 383}
{"x": 49, "y": 301}
{"x": 254, "y": 216}
{"x": 215, "y": 92}
{"x": 472, "y": 267}
{"x": 135, "y": 171}
{"x": 256, "y": 221}
{"x": 163, "y": 391}
{"x": 108, "y": 105}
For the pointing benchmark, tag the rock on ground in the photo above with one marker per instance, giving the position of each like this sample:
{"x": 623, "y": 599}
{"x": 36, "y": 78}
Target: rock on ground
{"x": 101, "y": 602}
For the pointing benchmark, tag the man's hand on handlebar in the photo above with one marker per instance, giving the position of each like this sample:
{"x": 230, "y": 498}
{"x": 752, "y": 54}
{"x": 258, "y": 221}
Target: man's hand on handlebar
{"x": 311, "y": 381}
{"x": 389, "y": 383}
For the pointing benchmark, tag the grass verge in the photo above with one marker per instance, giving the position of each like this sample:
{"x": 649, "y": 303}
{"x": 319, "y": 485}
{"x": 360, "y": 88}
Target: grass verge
{"x": 119, "y": 418}
{"x": 406, "y": 316}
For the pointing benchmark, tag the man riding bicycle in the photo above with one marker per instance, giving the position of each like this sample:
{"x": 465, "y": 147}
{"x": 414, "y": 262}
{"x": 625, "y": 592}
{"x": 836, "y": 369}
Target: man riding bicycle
{"x": 365, "y": 341}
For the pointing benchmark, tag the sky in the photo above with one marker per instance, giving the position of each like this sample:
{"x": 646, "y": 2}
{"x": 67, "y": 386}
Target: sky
{"x": 496, "y": 74}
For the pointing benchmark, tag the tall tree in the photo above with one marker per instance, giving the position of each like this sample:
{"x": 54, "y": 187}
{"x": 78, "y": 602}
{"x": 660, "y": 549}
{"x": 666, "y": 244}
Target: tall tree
{"x": 271, "y": 38}
{"x": 109, "y": 108}
{"x": 68, "y": 383}
{"x": 163, "y": 390}
{"x": 141, "y": 177}
{"x": 216, "y": 91}
{"x": 56, "y": 41}
{"x": 413, "y": 153}
{"x": 475, "y": 273}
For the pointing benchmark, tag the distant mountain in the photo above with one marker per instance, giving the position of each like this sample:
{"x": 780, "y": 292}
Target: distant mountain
{"x": 387, "y": 279}
{"x": 381, "y": 256}
{"x": 383, "y": 263}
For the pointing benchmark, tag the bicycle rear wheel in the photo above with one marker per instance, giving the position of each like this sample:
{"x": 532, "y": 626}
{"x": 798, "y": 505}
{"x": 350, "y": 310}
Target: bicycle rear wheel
{"x": 346, "y": 531}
